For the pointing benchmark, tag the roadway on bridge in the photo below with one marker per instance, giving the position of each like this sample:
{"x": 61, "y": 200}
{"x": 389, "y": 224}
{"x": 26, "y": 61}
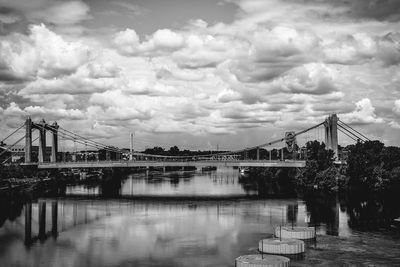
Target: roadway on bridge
{"x": 205, "y": 163}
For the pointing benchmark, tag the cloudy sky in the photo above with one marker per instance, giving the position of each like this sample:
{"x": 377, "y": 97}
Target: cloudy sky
{"x": 198, "y": 74}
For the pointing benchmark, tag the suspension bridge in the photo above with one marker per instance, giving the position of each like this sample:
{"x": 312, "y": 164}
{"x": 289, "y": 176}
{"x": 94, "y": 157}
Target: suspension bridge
{"x": 106, "y": 156}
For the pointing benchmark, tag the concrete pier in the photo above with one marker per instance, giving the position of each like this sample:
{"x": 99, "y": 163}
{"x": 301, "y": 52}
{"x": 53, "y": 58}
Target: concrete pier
{"x": 281, "y": 246}
{"x": 287, "y": 232}
{"x": 258, "y": 260}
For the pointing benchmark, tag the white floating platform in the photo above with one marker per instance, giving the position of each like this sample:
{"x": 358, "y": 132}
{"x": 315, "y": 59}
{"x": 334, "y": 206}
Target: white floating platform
{"x": 297, "y": 232}
{"x": 282, "y": 247}
{"x": 258, "y": 260}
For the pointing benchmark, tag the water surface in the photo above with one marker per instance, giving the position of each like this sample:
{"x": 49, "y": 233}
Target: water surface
{"x": 90, "y": 230}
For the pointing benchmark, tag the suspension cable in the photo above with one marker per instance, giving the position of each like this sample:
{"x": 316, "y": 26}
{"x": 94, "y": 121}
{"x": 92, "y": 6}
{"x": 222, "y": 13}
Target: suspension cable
{"x": 11, "y": 154}
{"x": 71, "y": 136}
{"x": 245, "y": 149}
{"x": 13, "y": 132}
{"x": 355, "y": 130}
{"x": 347, "y": 130}
{"x": 339, "y": 128}
{"x": 8, "y": 148}
{"x": 85, "y": 138}
{"x": 272, "y": 142}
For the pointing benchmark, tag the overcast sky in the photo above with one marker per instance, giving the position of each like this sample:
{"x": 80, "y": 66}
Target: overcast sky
{"x": 198, "y": 74}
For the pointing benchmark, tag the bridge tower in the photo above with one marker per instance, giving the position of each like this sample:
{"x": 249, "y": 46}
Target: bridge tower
{"x": 331, "y": 134}
{"x": 54, "y": 144}
{"x": 28, "y": 140}
{"x": 131, "y": 147}
{"x": 42, "y": 127}
{"x": 42, "y": 141}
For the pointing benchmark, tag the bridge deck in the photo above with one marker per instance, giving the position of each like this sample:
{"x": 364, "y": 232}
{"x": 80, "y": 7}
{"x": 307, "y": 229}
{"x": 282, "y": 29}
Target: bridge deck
{"x": 206, "y": 163}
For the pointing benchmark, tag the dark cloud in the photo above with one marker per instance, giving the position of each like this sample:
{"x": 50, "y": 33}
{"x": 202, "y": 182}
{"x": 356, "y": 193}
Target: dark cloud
{"x": 376, "y": 9}
{"x": 7, "y": 75}
{"x": 382, "y": 10}
{"x": 247, "y": 71}
{"x": 16, "y": 15}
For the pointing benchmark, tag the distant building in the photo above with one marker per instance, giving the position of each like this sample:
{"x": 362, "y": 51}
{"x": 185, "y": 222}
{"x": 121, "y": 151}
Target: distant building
{"x": 5, "y": 155}
{"x": 17, "y": 153}
{"x": 109, "y": 155}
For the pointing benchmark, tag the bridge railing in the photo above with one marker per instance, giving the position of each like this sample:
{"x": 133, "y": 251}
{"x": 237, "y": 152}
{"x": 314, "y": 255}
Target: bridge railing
{"x": 170, "y": 161}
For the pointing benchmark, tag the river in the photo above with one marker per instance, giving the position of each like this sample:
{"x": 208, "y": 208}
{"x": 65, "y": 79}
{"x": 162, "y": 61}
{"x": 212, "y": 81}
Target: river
{"x": 188, "y": 219}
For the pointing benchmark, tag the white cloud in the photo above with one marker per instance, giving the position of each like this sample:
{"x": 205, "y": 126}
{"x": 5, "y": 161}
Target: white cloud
{"x": 313, "y": 78}
{"x": 281, "y": 41}
{"x": 364, "y": 113}
{"x": 164, "y": 40}
{"x": 277, "y": 64}
{"x": 43, "y": 53}
{"x": 396, "y": 108}
{"x": 205, "y": 50}
{"x": 126, "y": 41}
{"x": 359, "y": 48}
{"x": 394, "y": 125}
{"x": 62, "y": 13}
{"x": 73, "y": 85}
{"x": 38, "y": 112}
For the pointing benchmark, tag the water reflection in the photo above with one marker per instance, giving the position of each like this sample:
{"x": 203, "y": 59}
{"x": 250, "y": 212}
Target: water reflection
{"x": 370, "y": 213}
{"x": 121, "y": 231}
{"x": 51, "y": 220}
{"x": 222, "y": 182}
{"x": 324, "y": 210}
{"x": 151, "y": 233}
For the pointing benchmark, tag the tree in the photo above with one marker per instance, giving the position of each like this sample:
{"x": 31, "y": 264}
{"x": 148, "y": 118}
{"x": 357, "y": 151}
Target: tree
{"x": 318, "y": 160}
{"x": 173, "y": 151}
{"x": 362, "y": 160}
{"x": 329, "y": 179}
{"x": 317, "y": 152}
{"x": 390, "y": 157}
{"x": 155, "y": 151}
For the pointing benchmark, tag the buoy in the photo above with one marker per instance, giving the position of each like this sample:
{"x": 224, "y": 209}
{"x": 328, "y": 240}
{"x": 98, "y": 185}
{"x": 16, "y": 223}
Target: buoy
{"x": 297, "y": 232}
{"x": 281, "y": 246}
{"x": 258, "y": 260}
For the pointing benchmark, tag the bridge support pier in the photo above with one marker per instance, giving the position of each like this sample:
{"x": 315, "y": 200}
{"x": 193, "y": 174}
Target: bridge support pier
{"x": 331, "y": 135}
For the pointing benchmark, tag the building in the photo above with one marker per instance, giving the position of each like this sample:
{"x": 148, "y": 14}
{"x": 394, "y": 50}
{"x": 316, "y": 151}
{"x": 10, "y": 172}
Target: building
{"x": 5, "y": 154}
{"x": 17, "y": 153}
